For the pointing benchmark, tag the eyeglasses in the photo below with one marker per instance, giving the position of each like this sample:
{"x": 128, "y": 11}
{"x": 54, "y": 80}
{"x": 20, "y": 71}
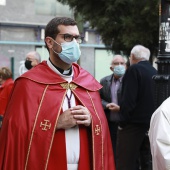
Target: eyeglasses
{"x": 69, "y": 38}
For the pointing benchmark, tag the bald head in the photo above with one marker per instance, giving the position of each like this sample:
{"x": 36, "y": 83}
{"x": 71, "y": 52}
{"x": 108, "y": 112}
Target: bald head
{"x": 33, "y": 55}
{"x": 32, "y": 59}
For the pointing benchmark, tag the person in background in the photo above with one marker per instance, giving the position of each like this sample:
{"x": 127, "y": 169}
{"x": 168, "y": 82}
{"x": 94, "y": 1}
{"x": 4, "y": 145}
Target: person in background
{"x": 110, "y": 94}
{"x": 159, "y": 136}
{"x": 32, "y": 59}
{"x": 55, "y": 118}
{"x": 6, "y": 85}
{"x": 136, "y": 108}
{"x": 127, "y": 63}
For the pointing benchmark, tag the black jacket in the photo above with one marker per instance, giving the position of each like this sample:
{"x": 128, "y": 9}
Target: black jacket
{"x": 137, "y": 97}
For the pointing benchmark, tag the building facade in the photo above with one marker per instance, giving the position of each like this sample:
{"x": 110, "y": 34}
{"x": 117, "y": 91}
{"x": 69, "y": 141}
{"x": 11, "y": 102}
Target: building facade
{"x": 22, "y": 25}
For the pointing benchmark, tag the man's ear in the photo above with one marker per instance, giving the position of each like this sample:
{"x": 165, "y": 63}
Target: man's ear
{"x": 132, "y": 57}
{"x": 49, "y": 42}
{"x": 111, "y": 68}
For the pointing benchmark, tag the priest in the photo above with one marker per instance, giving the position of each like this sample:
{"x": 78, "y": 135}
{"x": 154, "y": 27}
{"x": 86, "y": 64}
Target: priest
{"x": 54, "y": 119}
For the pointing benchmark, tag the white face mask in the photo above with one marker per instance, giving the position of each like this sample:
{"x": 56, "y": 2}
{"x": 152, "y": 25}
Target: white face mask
{"x": 119, "y": 70}
{"x": 70, "y": 51}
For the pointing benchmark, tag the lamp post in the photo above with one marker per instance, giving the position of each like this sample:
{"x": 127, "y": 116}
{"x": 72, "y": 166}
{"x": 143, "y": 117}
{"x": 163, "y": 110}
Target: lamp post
{"x": 162, "y": 79}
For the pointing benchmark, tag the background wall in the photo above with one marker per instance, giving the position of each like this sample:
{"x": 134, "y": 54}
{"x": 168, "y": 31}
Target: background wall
{"x": 22, "y": 26}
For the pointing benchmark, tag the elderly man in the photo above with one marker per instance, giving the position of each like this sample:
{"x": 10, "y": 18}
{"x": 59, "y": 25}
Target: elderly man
{"x": 136, "y": 108}
{"x": 110, "y": 94}
{"x": 32, "y": 59}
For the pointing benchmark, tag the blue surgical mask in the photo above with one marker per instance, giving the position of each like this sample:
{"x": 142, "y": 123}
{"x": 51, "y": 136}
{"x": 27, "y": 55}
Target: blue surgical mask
{"x": 119, "y": 70}
{"x": 70, "y": 51}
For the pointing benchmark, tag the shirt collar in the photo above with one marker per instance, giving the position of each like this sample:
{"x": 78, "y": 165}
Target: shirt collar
{"x": 66, "y": 77}
{"x": 64, "y": 72}
{"x": 119, "y": 79}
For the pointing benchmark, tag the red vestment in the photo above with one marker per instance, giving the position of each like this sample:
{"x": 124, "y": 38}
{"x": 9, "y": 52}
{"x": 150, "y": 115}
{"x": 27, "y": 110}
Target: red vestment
{"x": 5, "y": 91}
{"x": 28, "y": 138}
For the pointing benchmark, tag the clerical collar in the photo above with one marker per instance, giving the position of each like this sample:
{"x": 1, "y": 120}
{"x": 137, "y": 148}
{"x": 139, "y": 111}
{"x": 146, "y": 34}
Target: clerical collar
{"x": 64, "y": 72}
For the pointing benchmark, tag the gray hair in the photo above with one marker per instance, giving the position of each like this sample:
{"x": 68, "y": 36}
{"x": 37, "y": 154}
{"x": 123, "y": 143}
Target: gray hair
{"x": 140, "y": 52}
{"x": 118, "y": 56}
{"x": 36, "y": 55}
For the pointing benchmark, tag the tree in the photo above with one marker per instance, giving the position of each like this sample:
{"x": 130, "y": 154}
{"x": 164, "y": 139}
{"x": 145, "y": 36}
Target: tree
{"x": 121, "y": 23}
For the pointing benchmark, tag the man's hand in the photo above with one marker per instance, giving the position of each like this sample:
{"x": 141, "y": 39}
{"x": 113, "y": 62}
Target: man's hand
{"x": 74, "y": 116}
{"x": 82, "y": 115}
{"x": 66, "y": 120}
{"x": 113, "y": 107}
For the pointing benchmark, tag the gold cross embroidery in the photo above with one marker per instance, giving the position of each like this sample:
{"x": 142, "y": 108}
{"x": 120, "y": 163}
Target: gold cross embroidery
{"x": 97, "y": 129}
{"x": 46, "y": 125}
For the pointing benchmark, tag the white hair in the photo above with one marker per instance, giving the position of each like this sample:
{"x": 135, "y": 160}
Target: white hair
{"x": 118, "y": 56}
{"x": 140, "y": 52}
{"x": 36, "y": 55}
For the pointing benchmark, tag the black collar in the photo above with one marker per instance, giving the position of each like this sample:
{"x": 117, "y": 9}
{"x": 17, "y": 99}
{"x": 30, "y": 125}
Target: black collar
{"x": 64, "y": 72}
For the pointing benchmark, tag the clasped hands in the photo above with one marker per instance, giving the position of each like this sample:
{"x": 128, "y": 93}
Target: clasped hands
{"x": 77, "y": 115}
{"x": 113, "y": 107}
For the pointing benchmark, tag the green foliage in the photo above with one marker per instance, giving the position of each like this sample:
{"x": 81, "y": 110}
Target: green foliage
{"x": 121, "y": 23}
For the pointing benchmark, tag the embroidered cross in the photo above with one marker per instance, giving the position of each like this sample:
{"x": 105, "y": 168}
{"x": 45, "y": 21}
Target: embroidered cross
{"x": 45, "y": 125}
{"x": 97, "y": 129}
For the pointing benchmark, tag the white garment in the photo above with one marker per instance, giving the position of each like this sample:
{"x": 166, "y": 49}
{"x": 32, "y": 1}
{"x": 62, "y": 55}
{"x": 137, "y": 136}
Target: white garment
{"x": 159, "y": 136}
{"x": 71, "y": 135}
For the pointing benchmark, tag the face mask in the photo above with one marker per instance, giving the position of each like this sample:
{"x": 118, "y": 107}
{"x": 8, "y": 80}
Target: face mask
{"x": 28, "y": 64}
{"x": 119, "y": 70}
{"x": 70, "y": 51}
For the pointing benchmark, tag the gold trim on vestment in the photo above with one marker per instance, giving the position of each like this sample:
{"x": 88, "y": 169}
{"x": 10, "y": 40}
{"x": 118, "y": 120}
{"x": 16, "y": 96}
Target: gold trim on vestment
{"x": 67, "y": 86}
{"x": 93, "y": 131}
{"x": 32, "y": 134}
{"x": 99, "y": 127}
{"x": 54, "y": 130}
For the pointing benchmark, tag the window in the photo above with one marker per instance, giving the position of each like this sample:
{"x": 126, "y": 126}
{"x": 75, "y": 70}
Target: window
{"x": 52, "y": 7}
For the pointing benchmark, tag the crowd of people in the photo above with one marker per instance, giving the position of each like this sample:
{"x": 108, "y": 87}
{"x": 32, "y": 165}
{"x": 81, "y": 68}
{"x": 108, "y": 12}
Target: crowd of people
{"x": 58, "y": 116}
{"x": 6, "y": 80}
{"x": 131, "y": 109}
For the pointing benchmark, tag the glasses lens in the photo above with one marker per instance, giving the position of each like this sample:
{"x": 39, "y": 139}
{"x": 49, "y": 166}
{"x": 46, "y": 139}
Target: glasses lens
{"x": 78, "y": 39}
{"x": 68, "y": 37}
